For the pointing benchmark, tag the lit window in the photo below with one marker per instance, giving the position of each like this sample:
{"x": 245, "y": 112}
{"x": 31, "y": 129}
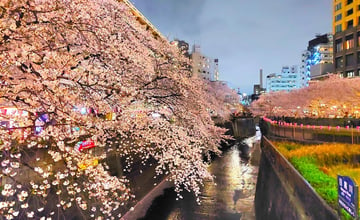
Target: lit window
{"x": 350, "y": 74}
{"x": 339, "y": 45}
{"x": 349, "y": 42}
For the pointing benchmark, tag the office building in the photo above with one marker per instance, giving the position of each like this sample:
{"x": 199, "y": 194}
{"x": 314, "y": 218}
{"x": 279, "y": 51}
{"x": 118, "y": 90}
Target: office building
{"x": 289, "y": 79}
{"x": 346, "y": 30}
{"x": 317, "y": 60}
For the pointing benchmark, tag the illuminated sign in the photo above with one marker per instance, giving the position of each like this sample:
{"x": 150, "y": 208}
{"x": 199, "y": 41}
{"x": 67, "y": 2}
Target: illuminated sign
{"x": 40, "y": 122}
{"x": 11, "y": 111}
{"x": 82, "y": 145}
{"x": 348, "y": 195}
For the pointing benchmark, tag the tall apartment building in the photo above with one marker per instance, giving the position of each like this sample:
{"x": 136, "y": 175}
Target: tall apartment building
{"x": 317, "y": 60}
{"x": 346, "y": 29}
{"x": 204, "y": 66}
{"x": 289, "y": 79}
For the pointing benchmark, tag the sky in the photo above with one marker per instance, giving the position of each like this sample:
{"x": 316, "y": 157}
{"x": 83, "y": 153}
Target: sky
{"x": 245, "y": 36}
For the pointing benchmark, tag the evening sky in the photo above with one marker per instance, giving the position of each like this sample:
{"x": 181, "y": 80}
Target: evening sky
{"x": 244, "y": 35}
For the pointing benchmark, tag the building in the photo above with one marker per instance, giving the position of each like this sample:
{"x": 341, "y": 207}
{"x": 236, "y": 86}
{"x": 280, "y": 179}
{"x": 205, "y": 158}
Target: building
{"x": 144, "y": 21}
{"x": 257, "y": 89}
{"x": 207, "y": 68}
{"x": 317, "y": 60}
{"x": 346, "y": 30}
{"x": 290, "y": 78}
{"x": 304, "y": 68}
{"x": 182, "y": 45}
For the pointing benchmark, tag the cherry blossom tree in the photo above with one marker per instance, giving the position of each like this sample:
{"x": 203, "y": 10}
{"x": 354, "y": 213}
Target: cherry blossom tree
{"x": 60, "y": 56}
{"x": 223, "y": 100}
{"x": 332, "y": 97}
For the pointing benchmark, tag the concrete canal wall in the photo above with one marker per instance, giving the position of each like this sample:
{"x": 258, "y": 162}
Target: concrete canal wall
{"x": 282, "y": 193}
{"x": 238, "y": 127}
{"x": 243, "y": 127}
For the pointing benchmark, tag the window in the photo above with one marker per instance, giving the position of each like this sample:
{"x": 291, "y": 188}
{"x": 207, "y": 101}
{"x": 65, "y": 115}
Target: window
{"x": 339, "y": 62}
{"x": 358, "y": 7}
{"x": 338, "y": 6}
{"x": 349, "y": 42}
{"x": 338, "y": 17}
{"x": 349, "y": 12}
{"x": 358, "y": 73}
{"x": 339, "y": 45}
{"x": 349, "y": 60}
{"x": 350, "y": 24}
{"x": 338, "y": 28}
{"x": 358, "y": 57}
{"x": 349, "y": 2}
{"x": 349, "y": 74}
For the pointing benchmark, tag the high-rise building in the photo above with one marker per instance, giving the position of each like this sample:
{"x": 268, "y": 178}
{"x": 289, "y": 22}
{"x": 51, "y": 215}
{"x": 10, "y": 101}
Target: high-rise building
{"x": 207, "y": 68}
{"x": 346, "y": 30}
{"x": 288, "y": 79}
{"x": 317, "y": 60}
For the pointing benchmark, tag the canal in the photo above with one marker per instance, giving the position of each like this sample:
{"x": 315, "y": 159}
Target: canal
{"x": 232, "y": 195}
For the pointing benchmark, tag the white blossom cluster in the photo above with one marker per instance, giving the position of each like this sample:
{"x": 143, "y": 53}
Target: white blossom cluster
{"x": 89, "y": 71}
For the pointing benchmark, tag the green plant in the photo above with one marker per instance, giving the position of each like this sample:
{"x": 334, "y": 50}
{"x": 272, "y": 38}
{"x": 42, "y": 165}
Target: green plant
{"x": 323, "y": 184}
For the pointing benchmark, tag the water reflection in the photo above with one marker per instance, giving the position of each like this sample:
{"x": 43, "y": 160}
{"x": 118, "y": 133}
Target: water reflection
{"x": 231, "y": 197}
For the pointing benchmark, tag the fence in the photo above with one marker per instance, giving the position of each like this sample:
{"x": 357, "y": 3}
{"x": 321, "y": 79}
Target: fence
{"x": 313, "y": 133}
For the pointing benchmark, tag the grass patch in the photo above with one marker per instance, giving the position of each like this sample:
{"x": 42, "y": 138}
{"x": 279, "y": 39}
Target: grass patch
{"x": 324, "y": 185}
{"x": 320, "y": 164}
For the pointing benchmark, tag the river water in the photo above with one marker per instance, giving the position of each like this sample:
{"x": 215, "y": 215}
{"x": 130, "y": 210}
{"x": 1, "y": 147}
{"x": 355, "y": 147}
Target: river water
{"x": 232, "y": 195}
